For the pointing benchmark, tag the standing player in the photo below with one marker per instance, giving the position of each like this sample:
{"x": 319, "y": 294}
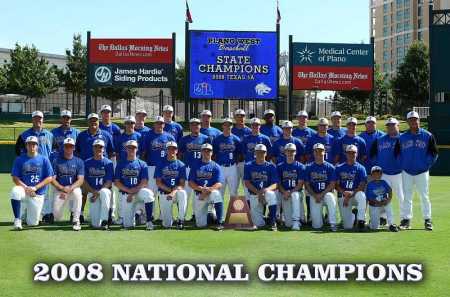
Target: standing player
{"x": 291, "y": 175}
{"x": 107, "y": 124}
{"x": 170, "y": 178}
{"x": 240, "y": 130}
{"x": 206, "y": 180}
{"x": 320, "y": 181}
{"x": 128, "y": 134}
{"x": 370, "y": 136}
{"x": 44, "y": 136}
{"x": 350, "y": 137}
{"x": 323, "y": 137}
{"x": 269, "y": 128}
{"x": 303, "y": 132}
{"x": 141, "y": 116}
{"x": 69, "y": 176}
{"x": 131, "y": 178}
{"x": 64, "y": 131}
{"x": 336, "y": 130}
{"x": 31, "y": 173}
{"x": 227, "y": 150}
{"x": 351, "y": 182}
{"x": 206, "y": 128}
{"x": 170, "y": 126}
{"x": 99, "y": 172}
{"x": 278, "y": 154}
{"x": 261, "y": 180}
{"x": 418, "y": 153}
{"x": 249, "y": 143}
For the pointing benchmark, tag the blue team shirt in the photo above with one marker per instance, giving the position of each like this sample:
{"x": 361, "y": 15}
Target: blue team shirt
{"x": 84, "y": 142}
{"x": 174, "y": 129}
{"x": 98, "y": 172}
{"x": 241, "y": 132}
{"x": 190, "y": 148}
{"x": 249, "y": 143}
{"x": 350, "y": 176}
{"x": 67, "y": 170}
{"x": 171, "y": 172}
{"x": 304, "y": 134}
{"x": 211, "y": 132}
{"x": 112, "y": 129}
{"x": 278, "y": 148}
{"x": 377, "y": 190}
{"x": 290, "y": 174}
{"x": 320, "y": 176}
{"x": 143, "y": 130}
{"x": 131, "y": 173}
{"x": 369, "y": 138}
{"x": 206, "y": 174}
{"x": 31, "y": 171}
{"x": 261, "y": 176}
{"x": 341, "y": 144}
{"x": 59, "y": 134}
{"x": 45, "y": 139}
{"x": 327, "y": 142}
{"x": 119, "y": 144}
{"x": 226, "y": 149}
{"x": 386, "y": 158}
{"x": 336, "y": 133}
{"x": 272, "y": 131}
{"x": 155, "y": 147}
{"x": 415, "y": 157}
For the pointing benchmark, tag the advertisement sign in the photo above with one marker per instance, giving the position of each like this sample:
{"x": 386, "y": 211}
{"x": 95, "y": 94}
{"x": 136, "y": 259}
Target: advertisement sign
{"x": 131, "y": 62}
{"x": 332, "y": 66}
{"x": 233, "y": 65}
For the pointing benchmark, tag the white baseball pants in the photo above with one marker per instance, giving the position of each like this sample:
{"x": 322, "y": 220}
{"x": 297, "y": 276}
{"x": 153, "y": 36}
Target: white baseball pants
{"x": 329, "y": 200}
{"x": 166, "y": 207}
{"x": 396, "y": 183}
{"x": 375, "y": 212}
{"x": 32, "y": 206}
{"x": 201, "y": 207}
{"x": 257, "y": 208}
{"x": 73, "y": 200}
{"x": 358, "y": 200}
{"x": 47, "y": 208}
{"x": 293, "y": 209}
{"x": 421, "y": 181}
{"x": 99, "y": 209}
{"x": 129, "y": 208}
{"x": 230, "y": 178}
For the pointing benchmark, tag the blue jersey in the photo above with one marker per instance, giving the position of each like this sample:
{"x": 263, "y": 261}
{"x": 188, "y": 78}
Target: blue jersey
{"x": 386, "y": 154}
{"x": 249, "y": 143}
{"x": 85, "y": 140}
{"x": 31, "y": 171}
{"x": 119, "y": 144}
{"x": 241, "y": 132}
{"x": 211, "y": 132}
{"x": 340, "y": 145}
{"x": 154, "y": 146}
{"x": 377, "y": 190}
{"x": 112, "y": 129}
{"x": 190, "y": 148}
{"x": 226, "y": 149}
{"x": 143, "y": 130}
{"x": 274, "y": 132}
{"x": 418, "y": 151}
{"x": 327, "y": 142}
{"x": 131, "y": 173}
{"x": 260, "y": 176}
{"x": 59, "y": 134}
{"x": 171, "y": 172}
{"x": 278, "y": 148}
{"x": 45, "y": 139}
{"x": 206, "y": 174}
{"x": 336, "y": 133}
{"x": 304, "y": 134}
{"x": 67, "y": 170}
{"x": 290, "y": 174}
{"x": 320, "y": 176}
{"x": 174, "y": 129}
{"x": 369, "y": 138}
{"x": 98, "y": 172}
{"x": 349, "y": 177}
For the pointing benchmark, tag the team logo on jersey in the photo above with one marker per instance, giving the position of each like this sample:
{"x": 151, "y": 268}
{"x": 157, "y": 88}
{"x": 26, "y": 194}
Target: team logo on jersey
{"x": 319, "y": 176}
{"x": 347, "y": 175}
{"x": 193, "y": 147}
{"x": 97, "y": 172}
{"x": 227, "y": 147}
{"x": 289, "y": 175}
{"x": 201, "y": 174}
{"x": 30, "y": 169}
{"x": 260, "y": 176}
{"x": 130, "y": 172}
{"x": 64, "y": 170}
{"x": 169, "y": 172}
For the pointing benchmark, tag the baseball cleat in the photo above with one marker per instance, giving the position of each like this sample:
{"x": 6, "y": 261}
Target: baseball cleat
{"x": 296, "y": 226}
{"x": 149, "y": 226}
{"x": 81, "y": 219}
{"x": 219, "y": 227}
{"x": 333, "y": 228}
{"x": 76, "y": 226}
{"x": 361, "y": 225}
{"x": 274, "y": 227}
{"x": 405, "y": 225}
{"x": 383, "y": 221}
{"x": 180, "y": 225}
{"x": 428, "y": 225}
{"x": 393, "y": 228}
{"x": 18, "y": 224}
{"x": 105, "y": 225}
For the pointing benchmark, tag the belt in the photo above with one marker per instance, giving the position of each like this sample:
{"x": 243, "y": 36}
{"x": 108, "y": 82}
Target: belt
{"x": 164, "y": 192}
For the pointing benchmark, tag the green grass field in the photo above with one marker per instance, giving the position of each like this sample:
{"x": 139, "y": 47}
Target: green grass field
{"x": 19, "y": 251}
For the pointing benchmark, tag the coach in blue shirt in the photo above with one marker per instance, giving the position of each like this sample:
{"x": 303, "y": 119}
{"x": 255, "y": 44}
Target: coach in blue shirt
{"x": 64, "y": 131}
{"x": 45, "y": 138}
{"x": 269, "y": 128}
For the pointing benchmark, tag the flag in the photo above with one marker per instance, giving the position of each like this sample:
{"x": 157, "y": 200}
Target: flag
{"x": 188, "y": 13}
{"x": 278, "y": 12}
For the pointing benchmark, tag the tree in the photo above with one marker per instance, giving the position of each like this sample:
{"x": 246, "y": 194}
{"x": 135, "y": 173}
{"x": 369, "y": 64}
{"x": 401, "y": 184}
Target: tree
{"x": 410, "y": 85}
{"x": 3, "y": 80}
{"x": 348, "y": 101}
{"x": 76, "y": 71}
{"x": 380, "y": 92}
{"x": 180, "y": 78}
{"x": 30, "y": 75}
{"x": 117, "y": 93}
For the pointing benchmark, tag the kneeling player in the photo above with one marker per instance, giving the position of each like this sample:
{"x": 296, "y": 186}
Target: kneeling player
{"x": 290, "y": 187}
{"x": 261, "y": 179}
{"x": 69, "y": 176}
{"x": 170, "y": 177}
{"x": 31, "y": 173}
{"x": 131, "y": 178}
{"x": 379, "y": 196}
{"x": 351, "y": 181}
{"x": 320, "y": 181}
{"x": 205, "y": 178}
{"x": 99, "y": 172}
